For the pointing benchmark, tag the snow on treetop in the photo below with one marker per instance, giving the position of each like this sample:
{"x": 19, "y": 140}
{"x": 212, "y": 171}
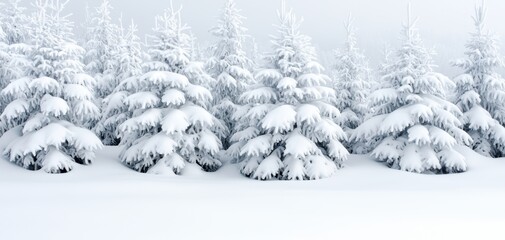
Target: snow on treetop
{"x": 261, "y": 95}
{"x": 35, "y": 122}
{"x": 453, "y": 159}
{"x": 327, "y": 109}
{"x": 227, "y": 80}
{"x": 196, "y": 115}
{"x": 464, "y": 80}
{"x": 369, "y": 128}
{"x": 173, "y": 97}
{"x": 469, "y": 99}
{"x": 441, "y": 138}
{"x": 115, "y": 101}
{"x": 248, "y": 133}
{"x": 44, "y": 85}
{"x": 271, "y": 75}
{"x": 311, "y": 79}
{"x": 198, "y": 93}
{"x": 209, "y": 142}
{"x": 54, "y": 134}
{"x": 419, "y": 134}
{"x": 15, "y": 108}
{"x": 258, "y": 112}
{"x": 166, "y": 78}
{"x": 308, "y": 113}
{"x": 142, "y": 100}
{"x": 55, "y": 161}
{"x": 389, "y": 148}
{"x": 175, "y": 121}
{"x": 404, "y": 117}
{"x": 53, "y": 106}
{"x": 337, "y": 150}
{"x": 320, "y": 167}
{"x": 16, "y": 87}
{"x": 383, "y": 95}
{"x": 240, "y": 72}
{"x": 86, "y": 109}
{"x": 159, "y": 144}
{"x": 287, "y": 83}
{"x": 83, "y": 79}
{"x": 72, "y": 49}
{"x": 327, "y": 130}
{"x": 269, "y": 167}
{"x": 257, "y": 146}
{"x": 149, "y": 118}
{"x": 280, "y": 119}
{"x": 479, "y": 119}
{"x": 300, "y": 146}
{"x": 84, "y": 139}
{"x": 77, "y": 91}
{"x": 314, "y": 67}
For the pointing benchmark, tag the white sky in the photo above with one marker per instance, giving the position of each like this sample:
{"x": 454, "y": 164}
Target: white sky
{"x": 444, "y": 24}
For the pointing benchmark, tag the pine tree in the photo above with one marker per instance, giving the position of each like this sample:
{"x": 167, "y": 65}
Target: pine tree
{"x": 13, "y": 52}
{"x": 129, "y": 65}
{"x": 287, "y": 125}
{"x": 352, "y": 81}
{"x": 416, "y": 126}
{"x": 481, "y": 90}
{"x": 53, "y": 105}
{"x": 170, "y": 124}
{"x": 14, "y": 22}
{"x": 230, "y": 66}
{"x": 101, "y": 49}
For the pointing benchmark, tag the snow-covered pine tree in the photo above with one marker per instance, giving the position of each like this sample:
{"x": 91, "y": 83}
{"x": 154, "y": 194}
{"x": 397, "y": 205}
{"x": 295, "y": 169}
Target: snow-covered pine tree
{"x": 230, "y": 66}
{"x": 287, "y": 127}
{"x": 13, "y": 52}
{"x": 481, "y": 90}
{"x": 386, "y": 63}
{"x": 101, "y": 50}
{"x": 14, "y": 21}
{"x": 53, "y": 104}
{"x": 129, "y": 65}
{"x": 416, "y": 126}
{"x": 353, "y": 83}
{"x": 170, "y": 124}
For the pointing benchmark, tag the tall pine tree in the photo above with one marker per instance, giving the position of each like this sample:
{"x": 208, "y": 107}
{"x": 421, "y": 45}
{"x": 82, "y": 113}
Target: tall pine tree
{"x": 230, "y": 66}
{"x": 53, "y": 104}
{"x": 287, "y": 125}
{"x": 170, "y": 125}
{"x": 102, "y": 49}
{"x": 14, "y": 50}
{"x": 481, "y": 90}
{"x": 353, "y": 83}
{"x": 129, "y": 65}
{"x": 416, "y": 127}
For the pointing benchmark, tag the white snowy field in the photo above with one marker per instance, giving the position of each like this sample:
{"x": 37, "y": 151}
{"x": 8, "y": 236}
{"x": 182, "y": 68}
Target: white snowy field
{"x": 365, "y": 200}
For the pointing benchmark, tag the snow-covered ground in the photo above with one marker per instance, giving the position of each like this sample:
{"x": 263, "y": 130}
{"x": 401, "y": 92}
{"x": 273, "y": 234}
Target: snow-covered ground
{"x": 365, "y": 200}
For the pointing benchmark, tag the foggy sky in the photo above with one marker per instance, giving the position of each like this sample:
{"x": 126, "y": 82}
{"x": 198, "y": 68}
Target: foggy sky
{"x": 444, "y": 24}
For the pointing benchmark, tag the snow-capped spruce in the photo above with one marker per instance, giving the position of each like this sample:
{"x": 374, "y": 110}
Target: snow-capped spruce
{"x": 169, "y": 125}
{"x": 53, "y": 103}
{"x": 287, "y": 129}
{"x": 129, "y": 65}
{"x": 415, "y": 126}
{"x": 230, "y": 66}
{"x": 14, "y": 22}
{"x": 14, "y": 51}
{"x": 353, "y": 83}
{"x": 101, "y": 50}
{"x": 481, "y": 90}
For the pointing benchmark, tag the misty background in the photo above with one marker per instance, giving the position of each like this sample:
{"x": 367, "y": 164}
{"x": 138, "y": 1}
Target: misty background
{"x": 444, "y": 25}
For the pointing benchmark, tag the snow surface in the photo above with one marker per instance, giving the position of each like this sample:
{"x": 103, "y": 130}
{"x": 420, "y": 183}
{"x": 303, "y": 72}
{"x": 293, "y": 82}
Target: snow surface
{"x": 364, "y": 200}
